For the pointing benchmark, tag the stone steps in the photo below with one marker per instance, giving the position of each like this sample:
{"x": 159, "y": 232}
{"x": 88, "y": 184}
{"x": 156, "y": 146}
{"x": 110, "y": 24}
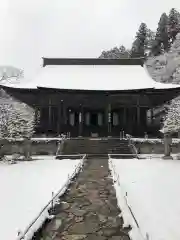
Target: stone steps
{"x": 96, "y": 146}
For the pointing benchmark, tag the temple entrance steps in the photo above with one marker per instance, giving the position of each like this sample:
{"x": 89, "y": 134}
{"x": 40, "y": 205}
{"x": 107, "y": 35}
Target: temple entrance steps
{"x": 96, "y": 147}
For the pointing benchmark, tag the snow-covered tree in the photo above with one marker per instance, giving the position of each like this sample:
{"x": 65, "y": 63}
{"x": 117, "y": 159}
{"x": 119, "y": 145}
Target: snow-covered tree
{"x": 173, "y": 24}
{"x": 17, "y": 119}
{"x": 9, "y": 74}
{"x": 161, "y": 42}
{"x": 139, "y": 45}
{"x": 150, "y": 38}
{"x": 116, "y": 53}
{"x": 172, "y": 119}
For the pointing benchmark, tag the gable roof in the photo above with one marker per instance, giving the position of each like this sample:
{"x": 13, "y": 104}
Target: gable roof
{"x": 94, "y": 74}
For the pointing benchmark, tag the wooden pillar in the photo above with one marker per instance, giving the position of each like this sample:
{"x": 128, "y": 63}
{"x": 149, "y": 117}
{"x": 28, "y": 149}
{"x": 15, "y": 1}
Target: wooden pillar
{"x": 80, "y": 120}
{"x": 124, "y": 118}
{"x": 109, "y": 119}
{"x": 152, "y": 117}
{"x": 49, "y": 113}
{"x": 138, "y": 115}
{"x": 138, "y": 112}
{"x": 64, "y": 110}
{"x": 60, "y": 118}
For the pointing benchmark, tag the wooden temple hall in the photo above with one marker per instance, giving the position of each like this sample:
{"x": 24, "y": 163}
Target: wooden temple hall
{"x": 94, "y": 97}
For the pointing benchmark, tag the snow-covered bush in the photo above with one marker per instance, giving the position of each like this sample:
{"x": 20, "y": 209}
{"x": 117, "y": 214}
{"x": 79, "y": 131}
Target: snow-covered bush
{"x": 17, "y": 119}
{"x": 172, "y": 119}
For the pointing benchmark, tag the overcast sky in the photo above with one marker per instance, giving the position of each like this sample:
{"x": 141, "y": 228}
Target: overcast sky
{"x": 31, "y": 29}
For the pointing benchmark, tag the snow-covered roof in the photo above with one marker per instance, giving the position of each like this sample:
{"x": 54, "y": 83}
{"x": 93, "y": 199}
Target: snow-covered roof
{"x": 95, "y": 77}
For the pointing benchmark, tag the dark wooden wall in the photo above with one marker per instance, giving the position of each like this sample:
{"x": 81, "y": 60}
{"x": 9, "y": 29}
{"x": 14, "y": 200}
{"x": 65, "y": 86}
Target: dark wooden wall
{"x": 58, "y": 102}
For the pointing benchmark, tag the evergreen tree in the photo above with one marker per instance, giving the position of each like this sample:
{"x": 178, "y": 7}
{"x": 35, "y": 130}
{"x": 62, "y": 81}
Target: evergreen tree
{"x": 173, "y": 24}
{"x": 139, "y": 45}
{"x": 122, "y": 49}
{"x": 149, "y": 41}
{"x": 162, "y": 32}
{"x": 123, "y": 52}
{"x": 161, "y": 41}
{"x": 116, "y": 53}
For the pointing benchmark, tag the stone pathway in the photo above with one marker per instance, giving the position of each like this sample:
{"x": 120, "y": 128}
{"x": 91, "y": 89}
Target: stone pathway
{"x": 89, "y": 208}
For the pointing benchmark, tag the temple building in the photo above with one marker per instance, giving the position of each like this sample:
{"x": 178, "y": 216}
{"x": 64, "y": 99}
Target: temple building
{"x": 94, "y": 97}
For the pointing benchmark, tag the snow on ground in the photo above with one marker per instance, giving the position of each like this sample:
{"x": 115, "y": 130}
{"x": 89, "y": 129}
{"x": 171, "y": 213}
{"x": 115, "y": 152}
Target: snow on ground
{"x": 26, "y": 188}
{"x": 153, "y": 195}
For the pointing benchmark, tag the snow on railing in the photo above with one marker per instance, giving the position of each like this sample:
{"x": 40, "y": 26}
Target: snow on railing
{"x": 153, "y": 140}
{"x": 43, "y": 215}
{"x": 126, "y": 210}
{"x": 40, "y": 139}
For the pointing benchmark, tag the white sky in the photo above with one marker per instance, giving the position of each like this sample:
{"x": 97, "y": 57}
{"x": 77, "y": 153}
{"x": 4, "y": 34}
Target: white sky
{"x": 31, "y": 29}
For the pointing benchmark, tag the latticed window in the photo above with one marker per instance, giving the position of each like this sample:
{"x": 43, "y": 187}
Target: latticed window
{"x": 87, "y": 119}
{"x": 115, "y": 119}
{"x": 100, "y": 119}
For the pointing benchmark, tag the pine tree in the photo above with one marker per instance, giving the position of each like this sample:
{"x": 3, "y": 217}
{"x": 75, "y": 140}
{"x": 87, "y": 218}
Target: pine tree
{"x": 149, "y": 39}
{"x": 139, "y": 45}
{"x": 162, "y": 32}
{"x": 173, "y": 24}
{"x": 161, "y": 41}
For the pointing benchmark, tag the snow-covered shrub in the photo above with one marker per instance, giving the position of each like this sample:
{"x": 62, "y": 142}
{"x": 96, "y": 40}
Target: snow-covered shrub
{"x": 17, "y": 119}
{"x": 172, "y": 119}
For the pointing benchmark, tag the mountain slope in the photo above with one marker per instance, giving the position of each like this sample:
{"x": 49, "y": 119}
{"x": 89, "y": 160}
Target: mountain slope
{"x": 166, "y": 67}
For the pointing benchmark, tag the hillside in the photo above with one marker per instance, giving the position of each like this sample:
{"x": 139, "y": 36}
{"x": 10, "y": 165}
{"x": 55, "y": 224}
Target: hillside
{"x": 166, "y": 67}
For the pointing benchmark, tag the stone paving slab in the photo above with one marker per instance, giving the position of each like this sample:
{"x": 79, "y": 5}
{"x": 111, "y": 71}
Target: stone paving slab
{"x": 88, "y": 210}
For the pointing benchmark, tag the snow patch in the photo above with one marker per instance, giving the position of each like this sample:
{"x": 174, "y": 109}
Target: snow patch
{"x": 153, "y": 194}
{"x": 26, "y": 189}
{"x": 122, "y": 200}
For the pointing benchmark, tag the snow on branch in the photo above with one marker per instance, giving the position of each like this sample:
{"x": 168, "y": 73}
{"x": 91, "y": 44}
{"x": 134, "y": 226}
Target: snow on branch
{"x": 9, "y": 74}
{"x": 172, "y": 120}
{"x": 17, "y": 119}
